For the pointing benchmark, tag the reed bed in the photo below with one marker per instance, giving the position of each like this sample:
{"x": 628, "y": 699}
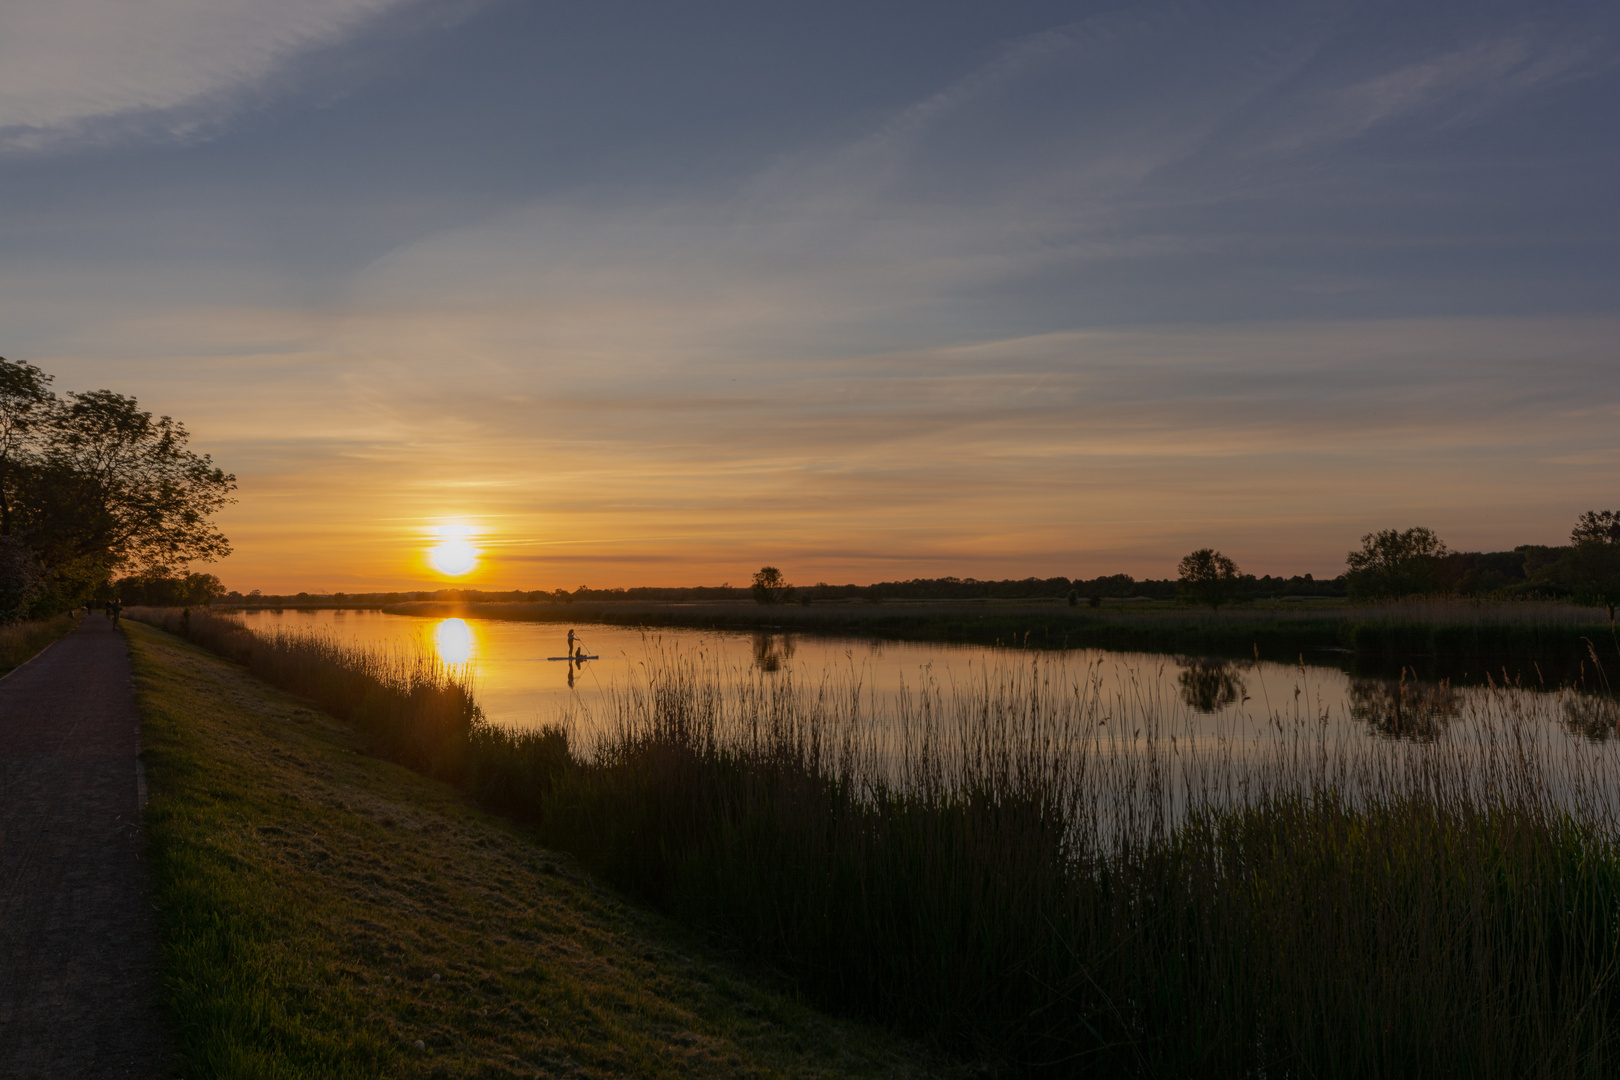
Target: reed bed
{"x": 1558, "y": 633}
{"x": 20, "y": 641}
{"x": 1072, "y": 884}
{"x": 414, "y": 709}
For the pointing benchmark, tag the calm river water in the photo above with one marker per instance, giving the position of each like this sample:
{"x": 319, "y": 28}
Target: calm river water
{"x": 519, "y": 685}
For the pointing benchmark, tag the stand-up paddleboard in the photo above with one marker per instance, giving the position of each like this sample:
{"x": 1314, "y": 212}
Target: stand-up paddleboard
{"x": 573, "y": 658}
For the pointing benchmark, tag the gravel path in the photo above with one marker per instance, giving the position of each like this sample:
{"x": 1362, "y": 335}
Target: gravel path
{"x": 78, "y": 948}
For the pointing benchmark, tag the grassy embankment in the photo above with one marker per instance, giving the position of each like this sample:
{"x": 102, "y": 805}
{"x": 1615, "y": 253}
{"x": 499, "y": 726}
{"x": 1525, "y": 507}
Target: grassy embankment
{"x": 322, "y": 911}
{"x": 1449, "y": 636}
{"x": 22, "y": 641}
{"x": 1027, "y": 871}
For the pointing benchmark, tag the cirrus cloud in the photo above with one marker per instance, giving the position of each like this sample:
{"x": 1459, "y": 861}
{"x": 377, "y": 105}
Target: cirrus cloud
{"x": 77, "y": 72}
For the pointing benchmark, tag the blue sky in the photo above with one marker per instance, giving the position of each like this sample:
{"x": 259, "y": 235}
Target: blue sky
{"x": 642, "y": 293}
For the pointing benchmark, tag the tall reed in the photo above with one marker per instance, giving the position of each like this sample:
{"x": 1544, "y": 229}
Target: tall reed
{"x": 413, "y": 708}
{"x": 1029, "y": 871}
{"x": 1076, "y": 884}
{"x": 20, "y": 641}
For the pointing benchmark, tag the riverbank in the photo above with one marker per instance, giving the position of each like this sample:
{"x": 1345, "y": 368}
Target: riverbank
{"x": 327, "y": 913}
{"x": 1026, "y": 884}
{"x": 1455, "y": 639}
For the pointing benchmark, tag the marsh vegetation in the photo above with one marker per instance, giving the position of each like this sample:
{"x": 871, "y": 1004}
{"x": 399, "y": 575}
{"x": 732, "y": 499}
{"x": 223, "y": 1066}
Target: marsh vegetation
{"x": 326, "y": 913}
{"x": 22, "y": 640}
{"x": 1064, "y": 882}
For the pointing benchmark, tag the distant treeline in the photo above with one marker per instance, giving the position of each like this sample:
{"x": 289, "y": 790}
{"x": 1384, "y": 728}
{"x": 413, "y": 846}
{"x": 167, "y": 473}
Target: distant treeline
{"x": 1113, "y": 586}
{"x": 1527, "y": 572}
{"x": 164, "y": 591}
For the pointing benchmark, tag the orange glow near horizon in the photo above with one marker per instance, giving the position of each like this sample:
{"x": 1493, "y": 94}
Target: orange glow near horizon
{"x": 1007, "y": 475}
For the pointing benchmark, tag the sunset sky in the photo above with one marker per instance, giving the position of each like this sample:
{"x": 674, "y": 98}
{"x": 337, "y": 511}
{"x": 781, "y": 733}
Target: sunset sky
{"x": 649, "y": 293}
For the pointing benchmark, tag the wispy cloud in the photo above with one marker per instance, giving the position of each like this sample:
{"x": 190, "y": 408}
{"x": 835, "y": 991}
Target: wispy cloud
{"x": 1462, "y": 82}
{"x": 1445, "y": 87}
{"x": 77, "y": 72}
{"x": 1080, "y": 308}
{"x": 1071, "y": 452}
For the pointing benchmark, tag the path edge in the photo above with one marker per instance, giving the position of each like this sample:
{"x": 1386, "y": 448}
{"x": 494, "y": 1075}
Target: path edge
{"x": 39, "y": 654}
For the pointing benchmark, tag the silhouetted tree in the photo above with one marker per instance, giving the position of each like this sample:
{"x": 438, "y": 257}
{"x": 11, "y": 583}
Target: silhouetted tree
{"x": 26, "y": 406}
{"x": 90, "y": 485}
{"x": 1596, "y": 527}
{"x": 1589, "y": 569}
{"x": 165, "y": 591}
{"x": 1392, "y": 563}
{"x": 117, "y": 489}
{"x": 22, "y": 579}
{"x": 770, "y": 587}
{"x": 1206, "y": 577}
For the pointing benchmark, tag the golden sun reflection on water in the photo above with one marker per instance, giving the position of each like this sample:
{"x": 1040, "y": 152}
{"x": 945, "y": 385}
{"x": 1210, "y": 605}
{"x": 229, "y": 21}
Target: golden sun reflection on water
{"x": 454, "y": 640}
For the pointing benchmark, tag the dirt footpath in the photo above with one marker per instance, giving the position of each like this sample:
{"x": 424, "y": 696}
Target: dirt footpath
{"x": 78, "y": 948}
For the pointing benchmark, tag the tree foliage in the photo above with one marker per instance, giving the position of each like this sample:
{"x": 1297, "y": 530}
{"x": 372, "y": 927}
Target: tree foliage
{"x": 1394, "y": 563}
{"x": 1206, "y": 577}
{"x": 90, "y": 485}
{"x": 1598, "y": 527}
{"x": 1588, "y": 570}
{"x": 770, "y": 587}
{"x": 195, "y": 589}
{"x": 26, "y": 405}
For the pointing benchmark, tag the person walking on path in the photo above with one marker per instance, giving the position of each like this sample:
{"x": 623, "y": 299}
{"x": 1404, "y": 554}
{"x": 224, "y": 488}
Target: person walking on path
{"x": 78, "y": 946}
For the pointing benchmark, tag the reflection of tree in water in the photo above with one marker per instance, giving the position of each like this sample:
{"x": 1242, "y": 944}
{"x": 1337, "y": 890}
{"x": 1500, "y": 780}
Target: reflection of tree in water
{"x": 1592, "y": 717}
{"x": 1210, "y": 685}
{"x": 1406, "y": 709}
{"x": 771, "y": 651}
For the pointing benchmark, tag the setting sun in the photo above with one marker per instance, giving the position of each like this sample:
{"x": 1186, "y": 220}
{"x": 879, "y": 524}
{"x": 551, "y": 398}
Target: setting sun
{"x": 454, "y": 553}
{"x": 454, "y": 557}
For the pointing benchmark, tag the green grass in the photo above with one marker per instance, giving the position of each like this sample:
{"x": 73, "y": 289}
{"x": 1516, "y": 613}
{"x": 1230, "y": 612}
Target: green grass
{"x": 322, "y": 911}
{"x": 22, "y": 641}
{"x": 1023, "y": 870}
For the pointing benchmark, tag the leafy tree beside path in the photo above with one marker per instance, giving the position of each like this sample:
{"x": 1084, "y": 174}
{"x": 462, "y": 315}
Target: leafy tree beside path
{"x": 90, "y": 485}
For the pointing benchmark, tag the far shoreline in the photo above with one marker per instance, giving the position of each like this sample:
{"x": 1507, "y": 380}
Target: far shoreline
{"x": 1550, "y": 642}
